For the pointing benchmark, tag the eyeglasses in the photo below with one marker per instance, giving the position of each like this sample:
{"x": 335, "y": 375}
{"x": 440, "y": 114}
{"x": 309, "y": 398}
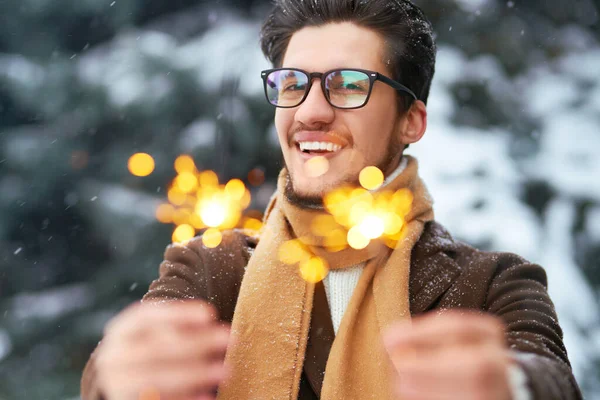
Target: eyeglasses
{"x": 343, "y": 88}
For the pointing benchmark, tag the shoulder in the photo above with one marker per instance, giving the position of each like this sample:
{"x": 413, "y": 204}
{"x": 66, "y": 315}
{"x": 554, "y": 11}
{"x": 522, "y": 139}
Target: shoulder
{"x": 492, "y": 266}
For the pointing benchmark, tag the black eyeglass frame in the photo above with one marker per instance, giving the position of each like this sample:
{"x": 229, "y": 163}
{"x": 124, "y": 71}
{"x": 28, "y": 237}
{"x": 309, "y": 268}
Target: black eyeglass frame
{"x": 373, "y": 76}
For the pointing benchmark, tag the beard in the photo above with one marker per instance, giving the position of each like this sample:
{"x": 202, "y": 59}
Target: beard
{"x": 315, "y": 202}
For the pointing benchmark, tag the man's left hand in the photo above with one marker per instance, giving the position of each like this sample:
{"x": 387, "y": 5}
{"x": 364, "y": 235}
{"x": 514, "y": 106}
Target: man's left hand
{"x": 455, "y": 355}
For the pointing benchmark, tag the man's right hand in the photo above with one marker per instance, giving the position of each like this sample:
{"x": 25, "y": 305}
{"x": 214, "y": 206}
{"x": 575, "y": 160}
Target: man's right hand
{"x": 171, "y": 351}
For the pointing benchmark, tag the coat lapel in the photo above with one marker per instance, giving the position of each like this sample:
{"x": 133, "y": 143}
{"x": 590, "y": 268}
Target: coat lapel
{"x": 432, "y": 268}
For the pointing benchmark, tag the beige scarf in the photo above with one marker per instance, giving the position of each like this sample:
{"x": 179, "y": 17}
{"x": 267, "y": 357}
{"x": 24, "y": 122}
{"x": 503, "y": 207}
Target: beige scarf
{"x": 272, "y": 315}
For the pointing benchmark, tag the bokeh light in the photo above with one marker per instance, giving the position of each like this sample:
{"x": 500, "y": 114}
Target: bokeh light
{"x": 356, "y": 239}
{"x": 212, "y": 212}
{"x": 183, "y": 233}
{"x": 256, "y": 177}
{"x": 164, "y": 213}
{"x": 313, "y": 270}
{"x": 187, "y": 182}
{"x": 212, "y": 237}
{"x": 235, "y": 189}
{"x": 252, "y": 224}
{"x": 371, "y": 227}
{"x": 141, "y": 164}
{"x": 371, "y": 178}
{"x": 208, "y": 179}
{"x": 293, "y": 251}
{"x": 316, "y": 166}
{"x": 185, "y": 163}
{"x": 365, "y": 216}
{"x": 198, "y": 201}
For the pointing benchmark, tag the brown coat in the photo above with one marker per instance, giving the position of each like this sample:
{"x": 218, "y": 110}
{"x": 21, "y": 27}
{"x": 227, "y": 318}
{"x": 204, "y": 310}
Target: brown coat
{"x": 444, "y": 274}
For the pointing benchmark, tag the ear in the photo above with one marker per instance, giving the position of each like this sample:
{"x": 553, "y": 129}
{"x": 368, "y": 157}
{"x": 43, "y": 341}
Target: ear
{"x": 413, "y": 123}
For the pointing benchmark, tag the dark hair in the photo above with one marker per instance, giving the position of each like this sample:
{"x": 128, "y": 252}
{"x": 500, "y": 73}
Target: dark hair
{"x": 408, "y": 34}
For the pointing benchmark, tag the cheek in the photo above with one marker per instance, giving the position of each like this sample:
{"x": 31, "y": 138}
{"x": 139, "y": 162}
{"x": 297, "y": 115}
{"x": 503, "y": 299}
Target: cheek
{"x": 283, "y": 122}
{"x": 371, "y": 131}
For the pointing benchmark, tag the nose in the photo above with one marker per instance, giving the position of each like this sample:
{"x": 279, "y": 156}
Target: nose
{"x": 315, "y": 109}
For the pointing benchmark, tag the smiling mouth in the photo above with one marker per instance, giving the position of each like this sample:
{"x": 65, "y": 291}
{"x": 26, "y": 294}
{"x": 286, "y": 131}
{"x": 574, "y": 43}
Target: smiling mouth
{"x": 318, "y": 148}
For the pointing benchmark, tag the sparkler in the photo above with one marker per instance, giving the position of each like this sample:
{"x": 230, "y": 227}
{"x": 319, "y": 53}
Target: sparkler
{"x": 367, "y": 216}
{"x": 354, "y": 216}
{"x": 198, "y": 201}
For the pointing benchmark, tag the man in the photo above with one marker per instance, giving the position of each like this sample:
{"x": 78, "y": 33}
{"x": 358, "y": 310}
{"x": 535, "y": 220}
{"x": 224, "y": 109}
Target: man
{"x": 350, "y": 84}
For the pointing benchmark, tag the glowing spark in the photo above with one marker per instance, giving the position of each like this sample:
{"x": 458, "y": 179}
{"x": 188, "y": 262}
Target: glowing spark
{"x": 253, "y": 224}
{"x": 185, "y": 163}
{"x": 196, "y": 221}
{"x": 336, "y": 240}
{"x": 371, "y": 178}
{"x": 356, "y": 239}
{"x": 313, "y": 270}
{"x": 182, "y": 216}
{"x": 393, "y": 224}
{"x": 246, "y": 200}
{"x": 183, "y": 233}
{"x": 198, "y": 201}
{"x": 141, "y": 164}
{"x": 292, "y": 252}
{"x": 176, "y": 196}
{"x": 212, "y": 238}
{"x": 322, "y": 225}
{"x": 316, "y": 166}
{"x": 235, "y": 189}
{"x": 209, "y": 178}
{"x": 371, "y": 227}
{"x": 402, "y": 202}
{"x": 213, "y": 213}
{"x": 186, "y": 182}
{"x": 164, "y": 213}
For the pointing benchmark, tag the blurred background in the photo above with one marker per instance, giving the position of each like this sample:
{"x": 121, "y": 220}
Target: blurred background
{"x": 510, "y": 156}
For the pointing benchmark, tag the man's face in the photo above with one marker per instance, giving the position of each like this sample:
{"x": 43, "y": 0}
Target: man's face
{"x": 365, "y": 136}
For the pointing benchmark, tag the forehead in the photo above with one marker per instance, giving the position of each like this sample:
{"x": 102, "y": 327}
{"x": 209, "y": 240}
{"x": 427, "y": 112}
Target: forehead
{"x": 336, "y": 45}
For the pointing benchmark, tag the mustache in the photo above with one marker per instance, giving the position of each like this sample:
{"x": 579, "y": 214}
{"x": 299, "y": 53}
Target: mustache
{"x": 328, "y": 129}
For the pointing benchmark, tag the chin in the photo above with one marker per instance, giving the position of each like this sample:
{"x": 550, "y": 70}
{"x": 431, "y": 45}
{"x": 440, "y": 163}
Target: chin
{"x": 312, "y": 187}
{"x": 308, "y": 188}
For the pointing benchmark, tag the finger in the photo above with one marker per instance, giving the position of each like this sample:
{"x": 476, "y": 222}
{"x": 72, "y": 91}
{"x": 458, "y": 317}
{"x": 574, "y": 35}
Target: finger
{"x": 186, "y": 380}
{"x": 452, "y": 328}
{"x": 200, "y": 396}
{"x": 173, "y": 381}
{"x": 168, "y": 346}
{"x": 203, "y": 397}
{"x": 455, "y": 373}
{"x": 140, "y": 318}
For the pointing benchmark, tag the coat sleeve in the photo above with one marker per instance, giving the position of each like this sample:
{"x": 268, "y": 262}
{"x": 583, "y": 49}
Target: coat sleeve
{"x": 191, "y": 271}
{"x": 518, "y": 294}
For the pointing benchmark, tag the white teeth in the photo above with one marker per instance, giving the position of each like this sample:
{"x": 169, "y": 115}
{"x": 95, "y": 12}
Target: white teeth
{"x": 322, "y": 146}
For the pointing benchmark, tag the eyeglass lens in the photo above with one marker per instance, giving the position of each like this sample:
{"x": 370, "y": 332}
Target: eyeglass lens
{"x": 343, "y": 88}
